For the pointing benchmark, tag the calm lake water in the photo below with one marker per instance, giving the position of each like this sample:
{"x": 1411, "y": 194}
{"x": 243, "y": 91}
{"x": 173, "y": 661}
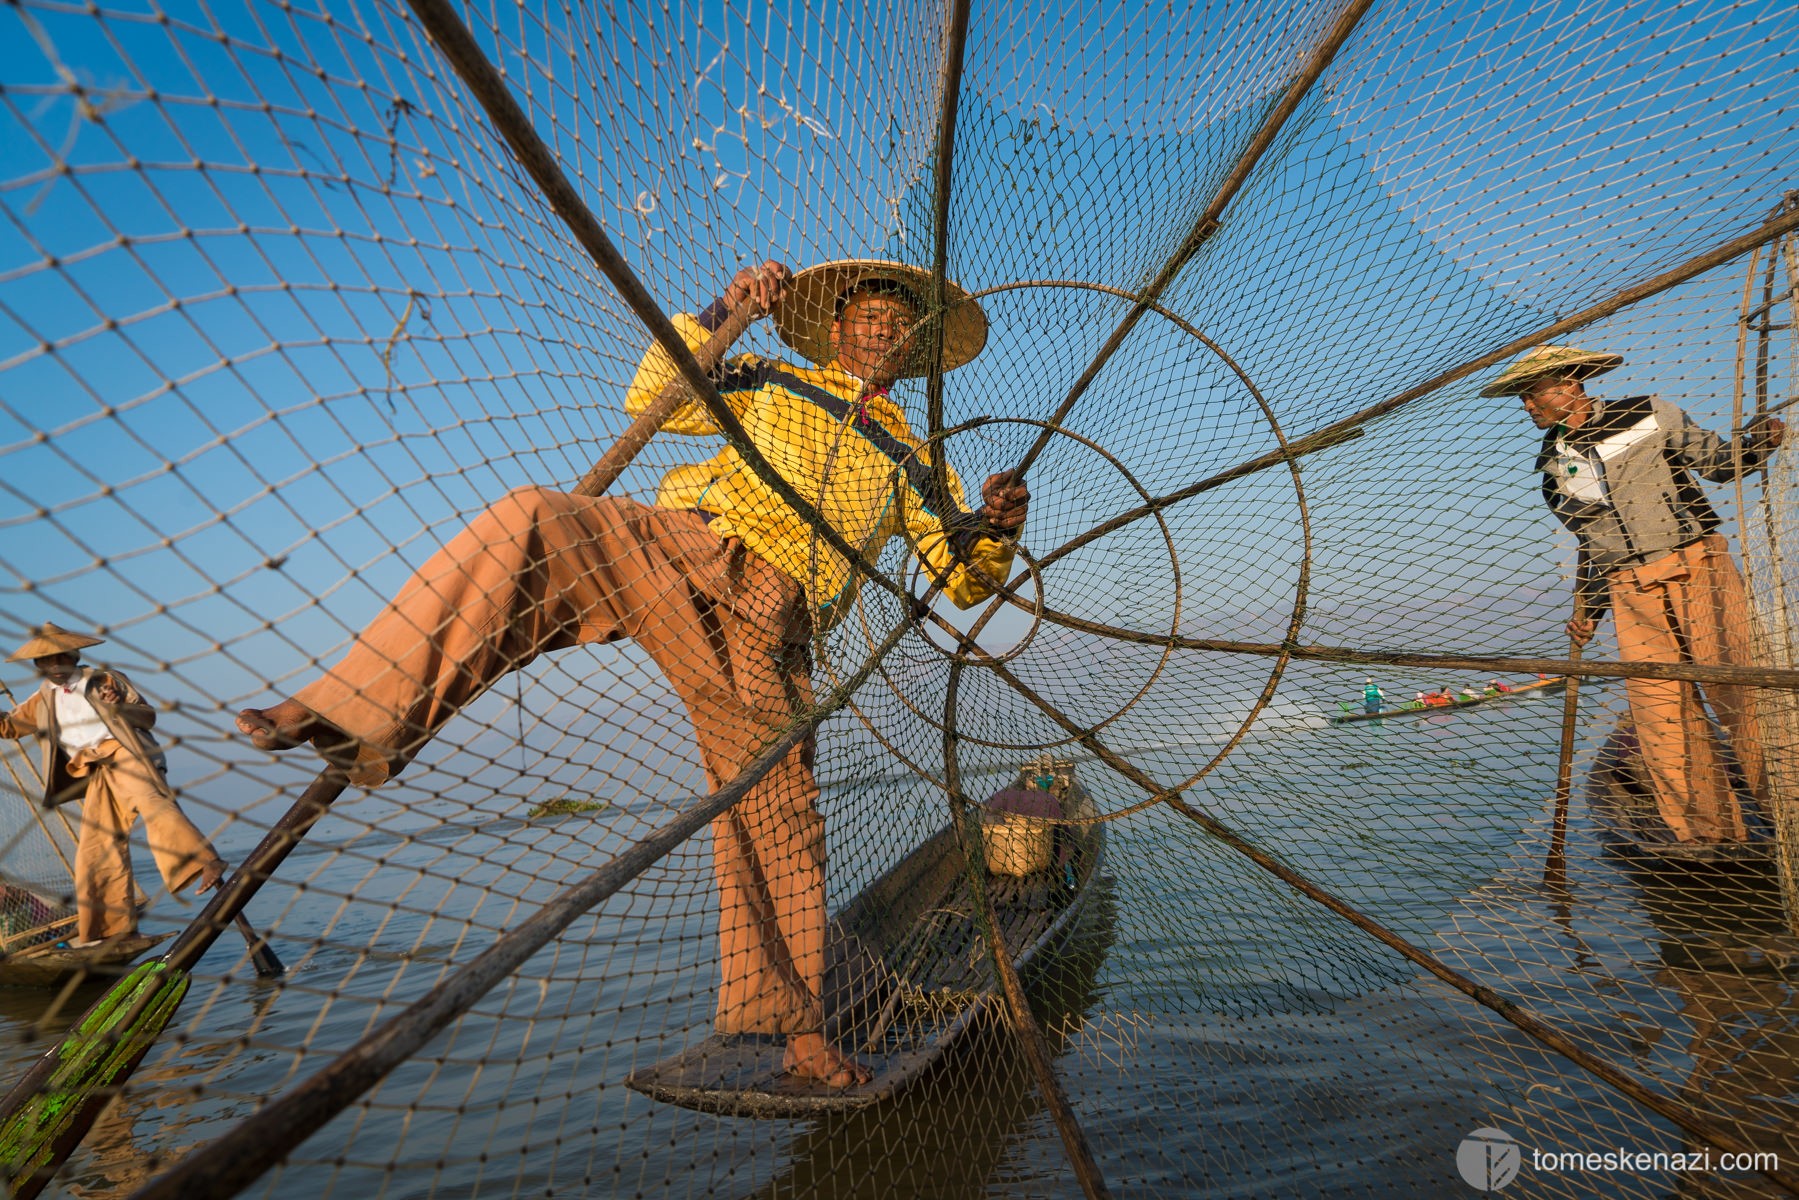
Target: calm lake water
{"x": 1216, "y": 1034}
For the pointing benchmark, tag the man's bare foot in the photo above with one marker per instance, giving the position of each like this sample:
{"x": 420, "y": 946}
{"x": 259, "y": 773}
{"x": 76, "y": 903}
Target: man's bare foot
{"x": 290, "y": 723}
{"x": 279, "y": 727}
{"x": 810, "y": 1056}
{"x": 211, "y": 875}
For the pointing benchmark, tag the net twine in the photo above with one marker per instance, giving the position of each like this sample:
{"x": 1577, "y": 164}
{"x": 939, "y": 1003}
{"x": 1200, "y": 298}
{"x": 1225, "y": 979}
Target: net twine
{"x": 548, "y": 96}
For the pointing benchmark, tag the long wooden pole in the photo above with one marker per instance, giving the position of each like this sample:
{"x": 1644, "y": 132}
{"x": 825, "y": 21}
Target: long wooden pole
{"x": 966, "y": 821}
{"x": 1774, "y": 620}
{"x": 1768, "y": 677}
{"x": 1779, "y": 714}
{"x": 949, "y": 104}
{"x": 1634, "y": 294}
{"x": 1736, "y": 404}
{"x": 1696, "y": 1123}
{"x": 637, "y": 435}
{"x": 1210, "y": 218}
{"x": 1783, "y": 776}
{"x": 1023, "y": 1023}
{"x": 1555, "y": 871}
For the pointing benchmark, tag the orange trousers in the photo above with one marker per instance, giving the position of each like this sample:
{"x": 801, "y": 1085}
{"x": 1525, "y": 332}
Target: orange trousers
{"x": 119, "y": 791}
{"x": 1689, "y": 606}
{"x": 541, "y": 570}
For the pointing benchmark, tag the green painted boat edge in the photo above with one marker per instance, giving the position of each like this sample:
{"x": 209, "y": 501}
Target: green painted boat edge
{"x": 92, "y": 1056}
{"x": 1415, "y": 709}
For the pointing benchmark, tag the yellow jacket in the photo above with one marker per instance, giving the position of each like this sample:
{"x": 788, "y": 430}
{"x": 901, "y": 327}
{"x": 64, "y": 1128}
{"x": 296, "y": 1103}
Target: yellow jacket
{"x": 853, "y": 456}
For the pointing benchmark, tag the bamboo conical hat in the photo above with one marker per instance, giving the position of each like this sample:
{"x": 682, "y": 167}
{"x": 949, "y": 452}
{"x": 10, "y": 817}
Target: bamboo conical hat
{"x": 50, "y": 638}
{"x": 805, "y": 315}
{"x": 1570, "y": 361}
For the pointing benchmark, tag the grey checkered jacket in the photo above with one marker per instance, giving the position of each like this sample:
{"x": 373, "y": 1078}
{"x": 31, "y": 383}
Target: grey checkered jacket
{"x": 1623, "y": 484}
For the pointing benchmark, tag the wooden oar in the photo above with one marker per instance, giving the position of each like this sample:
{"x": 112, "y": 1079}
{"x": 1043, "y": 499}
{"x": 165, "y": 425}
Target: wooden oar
{"x": 1555, "y": 871}
{"x": 47, "y": 1113}
{"x": 637, "y": 435}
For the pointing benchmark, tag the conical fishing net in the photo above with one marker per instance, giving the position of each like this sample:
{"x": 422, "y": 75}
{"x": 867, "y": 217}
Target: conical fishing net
{"x": 314, "y": 318}
{"x": 37, "y": 868}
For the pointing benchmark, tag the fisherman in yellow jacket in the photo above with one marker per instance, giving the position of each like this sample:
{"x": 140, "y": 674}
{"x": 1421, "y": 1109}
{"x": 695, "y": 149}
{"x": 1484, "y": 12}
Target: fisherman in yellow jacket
{"x": 93, "y": 728}
{"x": 721, "y": 583}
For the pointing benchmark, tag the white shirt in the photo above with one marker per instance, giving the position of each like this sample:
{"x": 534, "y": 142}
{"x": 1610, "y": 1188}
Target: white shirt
{"x": 1581, "y": 473}
{"x": 1578, "y": 472}
{"x": 78, "y": 723}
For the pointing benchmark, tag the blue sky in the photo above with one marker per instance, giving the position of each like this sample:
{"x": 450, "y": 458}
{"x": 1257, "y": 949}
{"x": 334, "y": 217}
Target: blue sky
{"x": 289, "y": 315}
{"x": 277, "y": 314}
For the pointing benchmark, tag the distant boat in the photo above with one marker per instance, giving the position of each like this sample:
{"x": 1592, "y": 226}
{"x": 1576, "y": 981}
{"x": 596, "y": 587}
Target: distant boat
{"x": 909, "y": 971}
{"x": 1413, "y": 708}
{"x": 1624, "y": 808}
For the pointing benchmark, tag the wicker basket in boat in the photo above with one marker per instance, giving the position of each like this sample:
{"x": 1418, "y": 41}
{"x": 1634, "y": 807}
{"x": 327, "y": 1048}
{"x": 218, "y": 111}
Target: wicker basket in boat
{"x": 1017, "y": 846}
{"x": 1015, "y": 843}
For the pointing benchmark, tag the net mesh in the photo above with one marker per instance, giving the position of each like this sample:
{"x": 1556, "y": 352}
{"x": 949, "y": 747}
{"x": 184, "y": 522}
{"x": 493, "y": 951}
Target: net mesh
{"x": 281, "y": 314}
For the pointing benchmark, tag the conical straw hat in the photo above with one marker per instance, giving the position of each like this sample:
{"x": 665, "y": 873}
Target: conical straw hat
{"x": 1551, "y": 360}
{"x": 809, "y": 309}
{"x": 48, "y": 639}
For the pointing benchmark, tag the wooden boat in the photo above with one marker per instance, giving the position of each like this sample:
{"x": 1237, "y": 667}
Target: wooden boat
{"x": 48, "y": 964}
{"x": 1624, "y": 808}
{"x": 909, "y": 973}
{"x": 1414, "y": 708}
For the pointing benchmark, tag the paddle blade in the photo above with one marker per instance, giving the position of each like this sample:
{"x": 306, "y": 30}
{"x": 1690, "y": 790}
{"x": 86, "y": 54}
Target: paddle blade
{"x": 262, "y": 955}
{"x": 52, "y": 1108}
{"x": 267, "y": 965}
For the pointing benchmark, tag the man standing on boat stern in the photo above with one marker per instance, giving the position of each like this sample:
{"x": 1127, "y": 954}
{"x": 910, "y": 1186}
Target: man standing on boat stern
{"x": 720, "y": 582}
{"x": 1619, "y": 475}
{"x": 94, "y": 730}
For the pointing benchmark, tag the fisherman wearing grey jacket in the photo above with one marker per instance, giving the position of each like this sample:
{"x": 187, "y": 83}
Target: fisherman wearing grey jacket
{"x": 1622, "y": 482}
{"x": 1619, "y": 474}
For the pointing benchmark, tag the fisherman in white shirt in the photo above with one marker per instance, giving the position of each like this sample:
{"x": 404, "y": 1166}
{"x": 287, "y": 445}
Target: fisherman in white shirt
{"x": 93, "y": 728}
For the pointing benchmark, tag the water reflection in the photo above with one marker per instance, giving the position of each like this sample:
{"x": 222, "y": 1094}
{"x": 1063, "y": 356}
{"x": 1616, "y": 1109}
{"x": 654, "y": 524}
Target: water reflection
{"x": 1726, "y": 956}
{"x": 967, "y": 1118}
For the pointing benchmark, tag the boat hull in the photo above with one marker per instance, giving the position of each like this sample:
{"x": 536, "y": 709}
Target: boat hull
{"x": 909, "y": 974}
{"x": 50, "y": 964}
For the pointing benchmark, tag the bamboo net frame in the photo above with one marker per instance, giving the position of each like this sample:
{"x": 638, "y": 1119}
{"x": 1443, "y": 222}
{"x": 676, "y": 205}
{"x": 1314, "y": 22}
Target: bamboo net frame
{"x": 381, "y": 249}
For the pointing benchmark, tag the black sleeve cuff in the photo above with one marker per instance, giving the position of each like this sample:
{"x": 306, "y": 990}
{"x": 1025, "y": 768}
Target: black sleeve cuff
{"x": 963, "y": 529}
{"x": 1592, "y": 594}
{"x": 713, "y": 315}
